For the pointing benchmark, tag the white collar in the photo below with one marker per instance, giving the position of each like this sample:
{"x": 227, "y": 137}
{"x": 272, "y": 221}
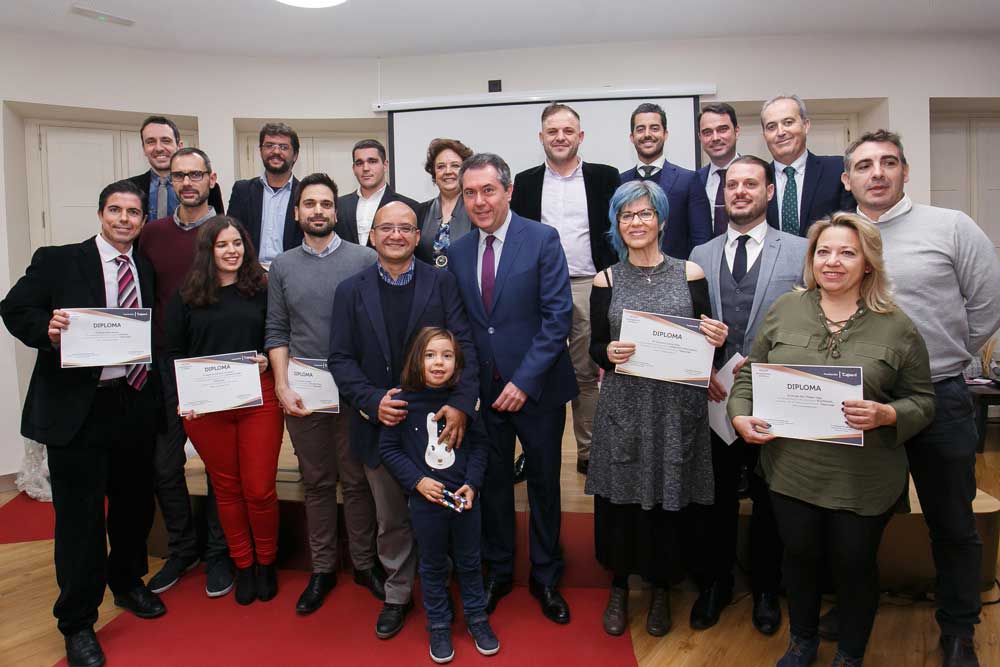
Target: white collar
{"x": 757, "y": 233}
{"x": 656, "y": 164}
{"x": 108, "y": 252}
{"x": 901, "y": 207}
{"x": 555, "y": 174}
{"x": 712, "y": 168}
{"x": 500, "y": 233}
{"x": 799, "y": 165}
{"x": 377, "y": 195}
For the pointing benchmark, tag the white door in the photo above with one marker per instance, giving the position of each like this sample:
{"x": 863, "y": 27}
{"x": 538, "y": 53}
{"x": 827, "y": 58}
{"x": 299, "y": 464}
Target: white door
{"x": 986, "y": 137}
{"x": 950, "y": 183}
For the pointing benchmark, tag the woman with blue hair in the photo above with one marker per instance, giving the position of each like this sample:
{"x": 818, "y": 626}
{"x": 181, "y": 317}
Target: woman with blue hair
{"x": 651, "y": 456}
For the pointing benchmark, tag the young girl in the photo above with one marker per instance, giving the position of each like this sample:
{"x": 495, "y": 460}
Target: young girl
{"x": 445, "y": 482}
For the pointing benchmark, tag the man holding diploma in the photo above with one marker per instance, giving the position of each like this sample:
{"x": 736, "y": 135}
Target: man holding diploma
{"x": 97, "y": 423}
{"x": 747, "y": 267}
{"x": 301, "y": 285}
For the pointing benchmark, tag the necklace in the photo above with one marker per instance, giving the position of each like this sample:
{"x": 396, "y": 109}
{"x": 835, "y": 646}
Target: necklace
{"x": 650, "y": 271}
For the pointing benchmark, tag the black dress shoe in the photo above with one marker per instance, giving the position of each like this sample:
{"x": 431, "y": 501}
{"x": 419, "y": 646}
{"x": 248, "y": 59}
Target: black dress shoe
{"x": 553, "y": 605}
{"x": 519, "y": 472}
{"x": 495, "y": 590}
{"x": 373, "y": 579}
{"x": 267, "y": 582}
{"x": 829, "y": 625}
{"x": 582, "y": 466}
{"x": 142, "y": 602}
{"x": 390, "y": 619}
{"x": 246, "y": 585}
{"x": 83, "y": 649}
{"x": 320, "y": 583}
{"x": 766, "y": 613}
{"x": 709, "y": 605}
{"x": 958, "y": 651}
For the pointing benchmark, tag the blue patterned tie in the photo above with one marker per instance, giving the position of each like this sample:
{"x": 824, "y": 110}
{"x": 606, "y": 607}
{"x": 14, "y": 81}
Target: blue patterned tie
{"x": 790, "y": 203}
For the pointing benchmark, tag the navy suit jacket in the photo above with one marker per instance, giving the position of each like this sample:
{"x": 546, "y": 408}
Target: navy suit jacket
{"x": 347, "y": 213}
{"x": 524, "y": 336}
{"x": 360, "y": 358}
{"x": 822, "y": 192}
{"x": 246, "y": 204}
{"x": 689, "y": 221}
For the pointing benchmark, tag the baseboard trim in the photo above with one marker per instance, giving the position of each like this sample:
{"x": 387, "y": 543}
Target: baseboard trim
{"x": 7, "y": 482}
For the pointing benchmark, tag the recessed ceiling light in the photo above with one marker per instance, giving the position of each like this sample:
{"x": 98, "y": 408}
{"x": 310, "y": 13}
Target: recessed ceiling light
{"x": 98, "y": 15}
{"x": 312, "y": 4}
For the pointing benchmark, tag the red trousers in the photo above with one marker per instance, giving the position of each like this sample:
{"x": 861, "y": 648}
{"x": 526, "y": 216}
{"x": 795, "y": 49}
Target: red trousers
{"x": 240, "y": 450}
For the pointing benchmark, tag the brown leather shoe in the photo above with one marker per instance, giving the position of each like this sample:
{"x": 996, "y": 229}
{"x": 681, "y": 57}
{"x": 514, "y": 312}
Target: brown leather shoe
{"x": 658, "y": 620}
{"x": 616, "y": 613}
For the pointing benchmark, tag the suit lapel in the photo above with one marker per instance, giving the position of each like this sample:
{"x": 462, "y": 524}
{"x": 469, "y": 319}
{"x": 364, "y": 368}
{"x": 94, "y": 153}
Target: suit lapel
{"x": 814, "y": 170}
{"x": 667, "y": 176}
{"x": 715, "y": 259}
{"x": 347, "y": 211}
{"x": 288, "y": 234}
{"x": 93, "y": 272}
{"x": 426, "y": 278}
{"x": 257, "y": 205}
{"x": 768, "y": 259}
{"x": 462, "y": 259}
{"x": 512, "y": 244}
{"x": 373, "y": 305}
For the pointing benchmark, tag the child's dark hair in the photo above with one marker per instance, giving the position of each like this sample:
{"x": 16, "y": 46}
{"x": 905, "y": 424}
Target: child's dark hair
{"x": 412, "y": 377}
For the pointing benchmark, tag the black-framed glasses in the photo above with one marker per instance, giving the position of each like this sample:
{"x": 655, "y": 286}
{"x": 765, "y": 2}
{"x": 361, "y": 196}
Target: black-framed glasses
{"x": 645, "y": 215}
{"x": 405, "y": 230}
{"x": 195, "y": 176}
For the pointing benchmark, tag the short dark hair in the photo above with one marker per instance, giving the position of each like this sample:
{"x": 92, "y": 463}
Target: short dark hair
{"x": 753, "y": 159}
{"x": 120, "y": 187}
{"x": 878, "y": 136}
{"x": 648, "y": 107}
{"x": 319, "y": 178}
{"x": 483, "y": 160}
{"x": 440, "y": 145}
{"x": 161, "y": 120}
{"x": 279, "y": 129}
{"x": 201, "y": 284}
{"x": 191, "y": 150}
{"x": 412, "y": 377}
{"x": 369, "y": 143}
{"x": 720, "y": 108}
{"x": 556, "y": 107}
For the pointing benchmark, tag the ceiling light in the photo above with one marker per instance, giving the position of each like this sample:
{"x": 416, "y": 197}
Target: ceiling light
{"x": 312, "y": 4}
{"x": 98, "y": 15}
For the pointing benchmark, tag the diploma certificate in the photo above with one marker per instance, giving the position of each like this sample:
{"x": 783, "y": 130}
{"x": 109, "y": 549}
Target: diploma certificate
{"x": 219, "y": 382}
{"x": 804, "y": 402}
{"x": 311, "y": 380}
{"x": 718, "y": 418}
{"x": 666, "y": 348}
{"x": 106, "y": 337}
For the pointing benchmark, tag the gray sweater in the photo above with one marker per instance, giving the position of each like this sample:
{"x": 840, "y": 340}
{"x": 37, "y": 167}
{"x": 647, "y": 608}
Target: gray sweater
{"x": 946, "y": 277}
{"x": 300, "y": 297}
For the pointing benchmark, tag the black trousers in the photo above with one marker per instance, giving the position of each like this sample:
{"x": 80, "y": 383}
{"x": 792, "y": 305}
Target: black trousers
{"x": 110, "y": 457}
{"x": 716, "y": 532}
{"x": 849, "y": 543}
{"x": 171, "y": 486}
{"x": 943, "y": 464}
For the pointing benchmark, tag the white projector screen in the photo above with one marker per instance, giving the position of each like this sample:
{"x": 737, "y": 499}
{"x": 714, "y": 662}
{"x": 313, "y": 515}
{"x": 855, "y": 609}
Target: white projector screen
{"x": 511, "y": 131}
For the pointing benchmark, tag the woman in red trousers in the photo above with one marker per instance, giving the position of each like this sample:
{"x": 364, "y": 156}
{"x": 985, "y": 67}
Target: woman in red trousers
{"x": 220, "y": 309}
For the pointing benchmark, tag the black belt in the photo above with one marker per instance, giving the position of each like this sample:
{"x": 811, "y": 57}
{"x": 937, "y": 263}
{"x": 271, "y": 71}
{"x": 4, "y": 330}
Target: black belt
{"x": 113, "y": 382}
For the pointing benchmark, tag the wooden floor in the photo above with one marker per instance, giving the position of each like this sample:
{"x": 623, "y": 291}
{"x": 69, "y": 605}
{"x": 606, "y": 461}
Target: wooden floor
{"x": 905, "y": 634}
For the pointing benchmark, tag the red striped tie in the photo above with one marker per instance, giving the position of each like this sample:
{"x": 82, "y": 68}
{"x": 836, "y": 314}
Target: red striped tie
{"x": 135, "y": 374}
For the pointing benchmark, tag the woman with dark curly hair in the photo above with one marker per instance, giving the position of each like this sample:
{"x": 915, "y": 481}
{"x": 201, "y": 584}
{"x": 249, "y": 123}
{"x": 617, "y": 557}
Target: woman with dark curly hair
{"x": 442, "y": 219}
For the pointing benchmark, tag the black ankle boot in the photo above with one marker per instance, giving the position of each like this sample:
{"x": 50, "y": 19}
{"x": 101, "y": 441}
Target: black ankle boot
{"x": 246, "y": 585}
{"x": 267, "y": 582}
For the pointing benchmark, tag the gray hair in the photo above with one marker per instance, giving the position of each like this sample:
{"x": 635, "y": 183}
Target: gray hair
{"x": 777, "y": 98}
{"x": 483, "y": 160}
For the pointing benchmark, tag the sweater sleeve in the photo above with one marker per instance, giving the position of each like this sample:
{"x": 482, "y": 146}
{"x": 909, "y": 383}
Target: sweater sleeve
{"x": 393, "y": 451}
{"x": 277, "y": 330}
{"x": 913, "y": 391}
{"x": 600, "y": 327}
{"x": 978, "y": 270}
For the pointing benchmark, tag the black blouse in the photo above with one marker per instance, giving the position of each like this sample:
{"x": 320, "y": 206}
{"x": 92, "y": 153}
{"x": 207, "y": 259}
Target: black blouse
{"x": 235, "y": 323}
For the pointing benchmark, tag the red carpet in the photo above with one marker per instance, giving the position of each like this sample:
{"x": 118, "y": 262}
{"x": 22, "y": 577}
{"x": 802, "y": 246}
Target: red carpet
{"x": 577, "y": 539}
{"x": 199, "y": 631}
{"x": 25, "y": 520}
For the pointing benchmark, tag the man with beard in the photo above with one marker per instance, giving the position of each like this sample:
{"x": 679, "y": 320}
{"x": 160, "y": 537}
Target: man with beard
{"x": 690, "y": 221}
{"x": 572, "y": 196}
{"x": 301, "y": 286}
{"x": 168, "y": 243}
{"x": 718, "y": 131}
{"x": 264, "y": 204}
{"x": 747, "y": 268}
{"x": 357, "y": 209}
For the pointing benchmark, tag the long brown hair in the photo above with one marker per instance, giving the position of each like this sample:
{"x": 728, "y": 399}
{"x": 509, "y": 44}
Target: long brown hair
{"x": 412, "y": 377}
{"x": 201, "y": 285}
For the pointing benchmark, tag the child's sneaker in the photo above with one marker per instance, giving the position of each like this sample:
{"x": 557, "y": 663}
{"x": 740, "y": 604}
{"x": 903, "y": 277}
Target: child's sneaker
{"x": 486, "y": 642}
{"x": 441, "y": 649}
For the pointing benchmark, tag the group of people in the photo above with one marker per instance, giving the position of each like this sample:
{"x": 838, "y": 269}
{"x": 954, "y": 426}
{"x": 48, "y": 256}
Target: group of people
{"x": 456, "y": 326}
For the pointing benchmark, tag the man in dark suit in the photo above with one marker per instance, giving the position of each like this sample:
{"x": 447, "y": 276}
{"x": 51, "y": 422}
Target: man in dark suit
{"x": 356, "y": 211}
{"x": 514, "y": 281}
{"x": 689, "y": 222}
{"x": 266, "y": 204}
{"x": 376, "y": 313}
{"x": 807, "y": 186}
{"x": 718, "y": 131}
{"x": 98, "y": 423}
{"x": 160, "y": 140}
{"x": 572, "y": 196}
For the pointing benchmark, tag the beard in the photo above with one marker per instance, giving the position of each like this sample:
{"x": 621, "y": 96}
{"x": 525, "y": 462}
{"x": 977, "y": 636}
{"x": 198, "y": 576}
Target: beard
{"x": 325, "y": 230}
{"x": 745, "y": 217}
{"x": 286, "y": 166}
{"x": 202, "y": 198}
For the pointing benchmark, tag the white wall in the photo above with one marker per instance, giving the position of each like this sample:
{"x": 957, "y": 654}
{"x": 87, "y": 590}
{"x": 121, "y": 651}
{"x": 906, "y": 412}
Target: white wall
{"x": 907, "y": 71}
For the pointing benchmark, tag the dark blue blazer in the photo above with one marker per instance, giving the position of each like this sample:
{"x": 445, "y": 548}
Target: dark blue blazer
{"x": 359, "y": 347}
{"x": 822, "y": 192}
{"x": 689, "y": 222}
{"x": 524, "y": 336}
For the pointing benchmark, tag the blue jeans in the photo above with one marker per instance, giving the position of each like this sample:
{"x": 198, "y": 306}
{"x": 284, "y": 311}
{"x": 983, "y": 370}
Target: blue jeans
{"x": 433, "y": 525}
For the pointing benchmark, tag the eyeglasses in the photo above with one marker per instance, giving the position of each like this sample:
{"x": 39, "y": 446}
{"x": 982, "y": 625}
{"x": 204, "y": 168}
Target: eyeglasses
{"x": 268, "y": 147}
{"x": 645, "y": 215}
{"x": 195, "y": 176}
{"x": 405, "y": 230}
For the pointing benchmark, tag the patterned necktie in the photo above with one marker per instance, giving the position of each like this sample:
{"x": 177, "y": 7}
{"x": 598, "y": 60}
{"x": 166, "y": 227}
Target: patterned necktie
{"x": 790, "y": 203}
{"x": 488, "y": 274}
{"x": 647, "y": 170}
{"x": 721, "y": 217}
{"x": 161, "y": 198}
{"x": 128, "y": 297}
{"x": 740, "y": 261}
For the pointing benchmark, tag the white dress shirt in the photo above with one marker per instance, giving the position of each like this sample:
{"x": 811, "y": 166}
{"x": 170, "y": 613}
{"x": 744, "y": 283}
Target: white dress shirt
{"x": 754, "y": 245}
{"x": 500, "y": 234}
{"x": 780, "y": 179}
{"x": 713, "y": 183}
{"x": 656, "y": 164}
{"x": 365, "y": 213}
{"x": 109, "y": 256}
{"x": 564, "y": 206}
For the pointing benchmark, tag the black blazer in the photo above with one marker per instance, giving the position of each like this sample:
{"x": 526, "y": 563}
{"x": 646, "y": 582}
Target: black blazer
{"x": 822, "y": 192}
{"x": 347, "y": 212}
{"x": 246, "y": 204}
{"x": 600, "y": 182}
{"x": 143, "y": 179}
{"x": 359, "y": 347}
{"x": 59, "y": 400}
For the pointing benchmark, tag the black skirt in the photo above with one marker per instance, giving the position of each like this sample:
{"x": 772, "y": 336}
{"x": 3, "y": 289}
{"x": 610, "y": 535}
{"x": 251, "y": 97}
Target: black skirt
{"x": 631, "y": 540}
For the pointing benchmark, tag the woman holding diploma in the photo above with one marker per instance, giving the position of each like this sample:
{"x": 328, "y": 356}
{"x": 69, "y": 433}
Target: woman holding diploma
{"x": 221, "y": 308}
{"x": 832, "y": 501}
{"x": 651, "y": 456}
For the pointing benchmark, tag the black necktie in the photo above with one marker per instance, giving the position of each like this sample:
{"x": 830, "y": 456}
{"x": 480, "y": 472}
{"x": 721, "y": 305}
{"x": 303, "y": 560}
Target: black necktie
{"x": 647, "y": 171}
{"x": 740, "y": 261}
{"x": 721, "y": 217}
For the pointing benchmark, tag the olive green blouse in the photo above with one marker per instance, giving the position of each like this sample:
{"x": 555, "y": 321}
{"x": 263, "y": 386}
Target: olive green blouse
{"x": 867, "y": 480}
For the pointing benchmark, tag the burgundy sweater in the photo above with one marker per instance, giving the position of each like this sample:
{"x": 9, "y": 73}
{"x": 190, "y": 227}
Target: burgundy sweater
{"x": 171, "y": 251}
